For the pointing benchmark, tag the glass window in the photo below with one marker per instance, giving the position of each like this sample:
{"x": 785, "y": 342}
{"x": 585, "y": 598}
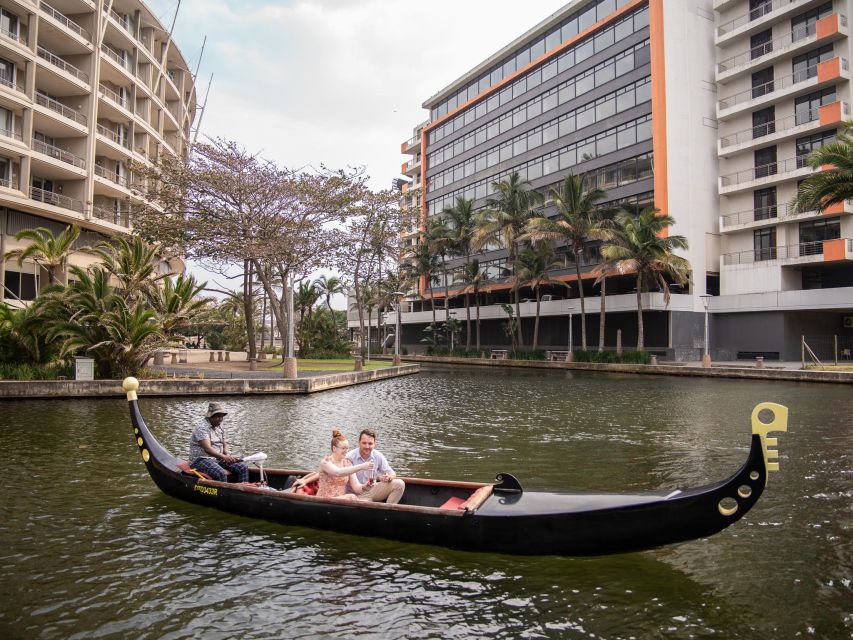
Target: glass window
{"x": 644, "y": 92}
{"x": 522, "y": 58}
{"x": 623, "y": 29}
{"x": 534, "y": 109}
{"x": 480, "y": 164}
{"x": 606, "y": 144}
{"x": 586, "y": 151}
{"x": 625, "y": 64}
{"x": 566, "y": 61}
{"x": 585, "y": 118}
{"x": 764, "y": 203}
{"x": 552, "y": 40}
{"x": 534, "y": 139}
{"x": 605, "y": 109}
{"x": 534, "y": 170}
{"x": 481, "y": 110}
{"x": 605, "y": 8}
{"x": 551, "y": 164}
{"x": 807, "y": 108}
{"x": 493, "y": 129}
{"x": 484, "y": 83}
{"x": 762, "y": 82}
{"x": 537, "y": 49}
{"x": 506, "y": 96}
{"x": 566, "y": 93}
{"x": 493, "y": 157}
{"x": 549, "y": 101}
{"x": 8, "y": 22}
{"x": 566, "y": 127}
{"x": 765, "y": 162}
{"x": 586, "y": 19}
{"x": 585, "y": 84}
{"x": 644, "y": 130}
{"x": 764, "y": 244}
{"x": 626, "y": 137}
{"x": 624, "y": 101}
{"x": 519, "y": 87}
{"x": 458, "y": 173}
{"x": 763, "y": 122}
{"x": 567, "y": 159}
{"x": 569, "y": 29}
{"x": 583, "y": 51}
{"x": 603, "y": 40}
{"x": 519, "y": 117}
{"x": 644, "y": 167}
{"x": 506, "y": 124}
{"x": 469, "y": 116}
{"x": 509, "y": 67}
{"x": 549, "y": 133}
{"x": 480, "y": 136}
{"x": 804, "y": 25}
{"x": 534, "y": 78}
{"x": 760, "y": 44}
{"x": 641, "y": 19}
{"x": 519, "y": 146}
{"x": 805, "y": 66}
{"x": 549, "y": 71}
{"x": 627, "y": 171}
{"x": 820, "y": 230}
{"x": 506, "y": 152}
{"x": 605, "y": 74}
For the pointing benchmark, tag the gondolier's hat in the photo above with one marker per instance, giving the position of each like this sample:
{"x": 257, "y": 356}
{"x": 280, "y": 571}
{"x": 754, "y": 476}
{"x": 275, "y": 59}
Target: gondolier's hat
{"x": 213, "y": 409}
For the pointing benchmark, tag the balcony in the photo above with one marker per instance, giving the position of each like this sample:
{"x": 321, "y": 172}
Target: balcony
{"x": 121, "y": 20}
{"x": 411, "y": 167}
{"x": 826, "y": 30}
{"x": 768, "y": 216}
{"x": 15, "y": 37}
{"x": 411, "y": 146}
{"x": 757, "y": 19}
{"x": 785, "y": 128}
{"x": 112, "y": 176}
{"x": 56, "y": 199}
{"x": 61, "y": 109}
{"x": 113, "y": 136}
{"x": 786, "y": 86}
{"x": 66, "y": 22}
{"x": 67, "y": 67}
{"x": 840, "y": 249}
{"x": 58, "y": 154}
{"x": 122, "y": 61}
{"x": 119, "y": 218}
{"x": 767, "y": 174}
{"x": 114, "y": 97}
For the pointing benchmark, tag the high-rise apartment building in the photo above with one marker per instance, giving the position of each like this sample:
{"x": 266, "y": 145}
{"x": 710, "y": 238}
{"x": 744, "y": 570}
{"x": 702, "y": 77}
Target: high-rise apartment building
{"x": 704, "y": 109}
{"x": 86, "y": 88}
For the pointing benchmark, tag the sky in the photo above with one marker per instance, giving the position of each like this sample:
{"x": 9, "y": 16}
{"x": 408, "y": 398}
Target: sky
{"x": 335, "y": 82}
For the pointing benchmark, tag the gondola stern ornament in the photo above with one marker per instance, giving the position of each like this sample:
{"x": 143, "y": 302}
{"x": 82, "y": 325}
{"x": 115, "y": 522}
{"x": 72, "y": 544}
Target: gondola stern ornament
{"x": 131, "y": 386}
{"x": 761, "y": 429}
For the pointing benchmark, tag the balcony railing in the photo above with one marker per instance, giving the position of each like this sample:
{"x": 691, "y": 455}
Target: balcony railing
{"x": 116, "y": 57}
{"x": 15, "y": 83}
{"x": 121, "y": 218}
{"x": 771, "y": 212}
{"x": 776, "y": 126}
{"x": 785, "y": 252}
{"x": 57, "y": 153}
{"x": 780, "y": 44}
{"x": 774, "y": 85}
{"x": 759, "y": 12}
{"x": 411, "y": 164}
{"x": 112, "y": 95}
{"x": 9, "y": 184}
{"x": 56, "y": 199}
{"x": 123, "y": 21}
{"x": 65, "y": 21}
{"x": 17, "y": 37}
{"x": 112, "y": 135}
{"x": 6, "y": 133}
{"x": 62, "y": 64}
{"x": 112, "y": 176}
{"x": 60, "y": 108}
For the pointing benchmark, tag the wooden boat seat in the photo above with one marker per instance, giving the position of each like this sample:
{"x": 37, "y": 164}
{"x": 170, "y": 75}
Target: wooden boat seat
{"x": 474, "y": 500}
{"x": 186, "y": 469}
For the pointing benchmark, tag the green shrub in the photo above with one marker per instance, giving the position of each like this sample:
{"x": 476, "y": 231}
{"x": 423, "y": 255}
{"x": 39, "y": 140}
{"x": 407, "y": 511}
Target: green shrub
{"x": 533, "y": 354}
{"x": 325, "y": 354}
{"x": 25, "y": 371}
{"x": 611, "y": 357}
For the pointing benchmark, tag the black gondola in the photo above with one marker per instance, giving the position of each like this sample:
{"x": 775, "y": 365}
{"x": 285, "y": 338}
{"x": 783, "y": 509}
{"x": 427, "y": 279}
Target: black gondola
{"x": 499, "y": 517}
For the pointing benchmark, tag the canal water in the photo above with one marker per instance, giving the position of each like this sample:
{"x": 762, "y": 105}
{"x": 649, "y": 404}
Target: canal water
{"x": 89, "y": 547}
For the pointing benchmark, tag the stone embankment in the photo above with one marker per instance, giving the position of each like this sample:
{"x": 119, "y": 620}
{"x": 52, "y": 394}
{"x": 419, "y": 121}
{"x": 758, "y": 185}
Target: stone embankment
{"x": 716, "y": 371}
{"x": 10, "y": 389}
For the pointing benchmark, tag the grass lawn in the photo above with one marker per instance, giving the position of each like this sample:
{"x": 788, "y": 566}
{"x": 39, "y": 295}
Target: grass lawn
{"x": 830, "y": 367}
{"x": 338, "y": 364}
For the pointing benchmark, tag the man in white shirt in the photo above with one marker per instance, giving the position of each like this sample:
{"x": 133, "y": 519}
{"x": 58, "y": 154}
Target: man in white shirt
{"x": 381, "y": 484}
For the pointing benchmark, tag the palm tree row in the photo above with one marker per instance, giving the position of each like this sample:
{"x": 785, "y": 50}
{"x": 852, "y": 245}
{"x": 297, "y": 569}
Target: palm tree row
{"x": 514, "y": 219}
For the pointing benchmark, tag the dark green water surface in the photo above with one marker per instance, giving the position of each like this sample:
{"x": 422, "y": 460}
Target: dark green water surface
{"x": 89, "y": 547}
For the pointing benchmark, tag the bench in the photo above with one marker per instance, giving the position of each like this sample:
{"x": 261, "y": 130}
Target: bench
{"x": 499, "y": 354}
{"x": 556, "y": 356}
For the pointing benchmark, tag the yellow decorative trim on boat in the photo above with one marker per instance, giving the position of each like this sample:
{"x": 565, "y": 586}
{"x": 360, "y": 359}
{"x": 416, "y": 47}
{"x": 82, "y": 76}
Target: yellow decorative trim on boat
{"x": 130, "y": 385}
{"x": 779, "y": 423}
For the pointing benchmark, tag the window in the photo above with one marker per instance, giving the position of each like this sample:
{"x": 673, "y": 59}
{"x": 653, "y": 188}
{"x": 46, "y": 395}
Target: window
{"x": 764, "y": 244}
{"x": 765, "y": 162}
{"x": 7, "y": 73}
{"x": 807, "y": 108}
{"x": 764, "y": 203}
{"x": 759, "y": 8}
{"x": 763, "y": 122}
{"x": 805, "y": 66}
{"x": 9, "y": 23}
{"x": 20, "y": 285}
{"x": 762, "y": 82}
{"x": 6, "y": 122}
{"x": 814, "y": 232}
{"x": 761, "y": 44}
{"x": 804, "y": 25}
{"x": 809, "y": 143}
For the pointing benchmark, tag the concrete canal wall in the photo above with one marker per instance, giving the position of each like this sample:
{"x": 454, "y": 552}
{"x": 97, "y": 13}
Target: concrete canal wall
{"x": 843, "y": 377}
{"x": 183, "y": 387}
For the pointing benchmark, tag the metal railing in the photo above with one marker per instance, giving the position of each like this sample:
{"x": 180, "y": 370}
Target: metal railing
{"x": 112, "y": 95}
{"x": 112, "y": 135}
{"x": 9, "y": 184}
{"x": 776, "y": 126}
{"x": 765, "y": 171}
{"x": 784, "y": 252}
{"x": 7, "y": 133}
{"x": 112, "y": 176}
{"x": 774, "y": 85}
{"x": 114, "y": 55}
{"x": 62, "y": 19}
{"x": 59, "y": 154}
{"x": 60, "y": 108}
{"x": 16, "y": 84}
{"x": 120, "y": 218}
{"x": 123, "y": 21}
{"x": 17, "y": 37}
{"x": 411, "y": 164}
{"x": 56, "y": 61}
{"x": 754, "y": 14}
{"x": 774, "y": 46}
{"x": 771, "y": 212}
{"x": 56, "y": 199}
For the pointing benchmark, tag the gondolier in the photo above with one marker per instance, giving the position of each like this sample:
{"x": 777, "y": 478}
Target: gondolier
{"x": 209, "y": 448}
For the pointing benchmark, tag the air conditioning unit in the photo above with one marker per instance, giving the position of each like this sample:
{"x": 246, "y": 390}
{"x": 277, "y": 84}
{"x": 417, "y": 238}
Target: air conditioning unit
{"x": 848, "y": 322}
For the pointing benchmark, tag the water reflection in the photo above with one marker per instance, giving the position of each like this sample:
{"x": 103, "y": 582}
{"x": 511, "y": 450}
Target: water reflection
{"x": 91, "y": 548}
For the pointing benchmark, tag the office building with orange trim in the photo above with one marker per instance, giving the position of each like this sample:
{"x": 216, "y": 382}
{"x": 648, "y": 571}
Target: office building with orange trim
{"x": 632, "y": 94}
{"x": 87, "y": 87}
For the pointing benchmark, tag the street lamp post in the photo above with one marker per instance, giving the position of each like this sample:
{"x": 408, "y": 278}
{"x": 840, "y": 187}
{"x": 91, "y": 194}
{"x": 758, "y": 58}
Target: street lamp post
{"x": 289, "y": 369}
{"x": 451, "y": 314}
{"x": 706, "y": 356}
{"x": 398, "y": 295}
{"x": 570, "y": 356}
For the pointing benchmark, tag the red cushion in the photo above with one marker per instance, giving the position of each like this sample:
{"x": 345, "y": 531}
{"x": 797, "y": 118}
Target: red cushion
{"x": 309, "y": 489}
{"x": 453, "y": 503}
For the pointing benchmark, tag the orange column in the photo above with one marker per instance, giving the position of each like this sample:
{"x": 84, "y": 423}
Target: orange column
{"x": 658, "y": 106}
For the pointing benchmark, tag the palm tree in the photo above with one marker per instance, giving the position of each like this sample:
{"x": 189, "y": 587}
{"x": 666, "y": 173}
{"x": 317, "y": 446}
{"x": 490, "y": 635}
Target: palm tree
{"x": 835, "y": 185}
{"x": 505, "y": 219}
{"x": 328, "y": 287}
{"x": 424, "y": 264}
{"x": 638, "y": 246}
{"x": 462, "y": 225}
{"x": 532, "y": 269}
{"x": 440, "y": 239}
{"x": 177, "y": 303}
{"x": 578, "y": 219}
{"x": 472, "y": 278}
{"x": 132, "y": 262}
{"x": 48, "y": 251}
{"x": 604, "y": 269}
{"x": 306, "y": 297}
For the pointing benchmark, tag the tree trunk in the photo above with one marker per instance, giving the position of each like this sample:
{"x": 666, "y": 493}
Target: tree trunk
{"x": 360, "y": 309}
{"x": 583, "y": 305}
{"x": 601, "y": 315}
{"x": 248, "y": 307}
{"x": 278, "y": 306}
{"x": 264, "y": 322}
{"x": 477, "y": 302}
{"x": 536, "y": 323}
{"x": 432, "y": 304}
{"x": 467, "y": 321}
{"x": 446, "y": 300}
{"x": 639, "y": 315}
